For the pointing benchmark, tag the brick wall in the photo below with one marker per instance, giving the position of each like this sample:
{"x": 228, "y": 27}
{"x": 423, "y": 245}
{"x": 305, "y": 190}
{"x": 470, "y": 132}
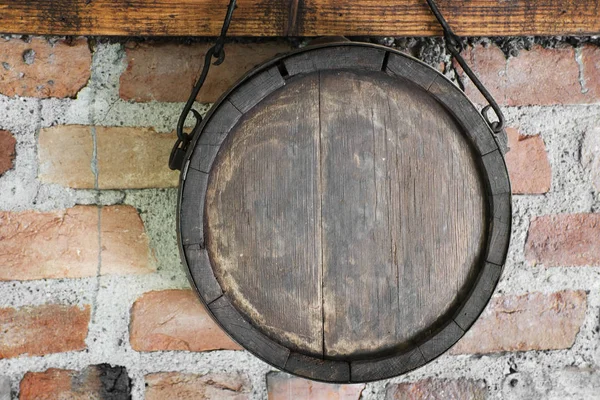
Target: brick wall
{"x": 92, "y": 298}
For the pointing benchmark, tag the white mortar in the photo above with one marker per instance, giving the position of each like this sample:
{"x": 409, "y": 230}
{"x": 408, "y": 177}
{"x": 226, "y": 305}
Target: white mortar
{"x": 562, "y": 129}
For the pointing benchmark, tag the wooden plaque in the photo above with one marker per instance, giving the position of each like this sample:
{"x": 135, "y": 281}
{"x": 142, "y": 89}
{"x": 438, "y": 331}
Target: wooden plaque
{"x": 345, "y": 213}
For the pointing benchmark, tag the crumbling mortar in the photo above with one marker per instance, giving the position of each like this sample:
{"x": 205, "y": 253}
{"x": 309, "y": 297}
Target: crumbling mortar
{"x": 562, "y": 128}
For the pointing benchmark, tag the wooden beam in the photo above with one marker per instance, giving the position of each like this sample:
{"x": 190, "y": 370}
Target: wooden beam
{"x": 298, "y": 17}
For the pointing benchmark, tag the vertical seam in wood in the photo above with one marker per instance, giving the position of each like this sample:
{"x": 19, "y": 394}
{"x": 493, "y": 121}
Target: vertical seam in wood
{"x": 421, "y": 351}
{"x": 391, "y": 231}
{"x": 234, "y": 106}
{"x": 292, "y": 27}
{"x": 283, "y": 70}
{"x": 349, "y": 371}
{"x": 492, "y": 150}
{"x": 432, "y": 82}
{"x": 374, "y": 161}
{"x": 384, "y": 64}
{"x": 321, "y": 233}
{"x": 472, "y": 141}
{"x": 208, "y": 304}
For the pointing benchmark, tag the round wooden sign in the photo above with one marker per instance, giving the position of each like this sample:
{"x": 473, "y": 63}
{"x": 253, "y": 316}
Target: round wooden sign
{"x": 345, "y": 213}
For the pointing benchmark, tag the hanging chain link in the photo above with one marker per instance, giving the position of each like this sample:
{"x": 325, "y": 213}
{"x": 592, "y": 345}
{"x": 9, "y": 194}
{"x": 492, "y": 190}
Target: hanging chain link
{"x": 217, "y": 51}
{"x": 453, "y": 44}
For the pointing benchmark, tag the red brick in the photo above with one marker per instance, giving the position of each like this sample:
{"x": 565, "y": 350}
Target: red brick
{"x": 94, "y": 382}
{"x": 533, "y": 321}
{"x": 438, "y": 389}
{"x": 167, "y": 72}
{"x": 564, "y": 240}
{"x": 65, "y": 243}
{"x": 58, "y": 244}
{"x": 179, "y": 386}
{"x": 174, "y": 320}
{"x": 287, "y": 387}
{"x": 41, "y": 330}
{"x": 127, "y": 158}
{"x": 7, "y": 151}
{"x": 124, "y": 243}
{"x": 527, "y": 162}
{"x": 536, "y": 77}
{"x": 42, "y": 69}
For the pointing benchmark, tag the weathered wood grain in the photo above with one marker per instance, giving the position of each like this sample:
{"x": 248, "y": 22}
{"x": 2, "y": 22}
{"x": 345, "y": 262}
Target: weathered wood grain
{"x": 203, "y": 157}
{"x": 409, "y": 69}
{"x": 220, "y": 123}
{"x": 201, "y": 273}
{"x": 403, "y": 212}
{"x": 502, "y": 207}
{"x": 442, "y": 341}
{"x": 192, "y": 215}
{"x": 499, "y": 240}
{"x": 479, "y": 297}
{"x": 357, "y": 216}
{"x": 243, "y": 332}
{"x": 255, "y": 89}
{"x": 459, "y": 105}
{"x": 473, "y": 18}
{"x": 297, "y": 18}
{"x": 495, "y": 168}
{"x": 368, "y": 370}
{"x": 315, "y": 368}
{"x": 264, "y": 216}
{"x": 330, "y": 58}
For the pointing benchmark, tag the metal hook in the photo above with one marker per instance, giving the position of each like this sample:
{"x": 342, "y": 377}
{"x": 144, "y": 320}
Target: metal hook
{"x": 183, "y": 139}
{"x": 455, "y": 46}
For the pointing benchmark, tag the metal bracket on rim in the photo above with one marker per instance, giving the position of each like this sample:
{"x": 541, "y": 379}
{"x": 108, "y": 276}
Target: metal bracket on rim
{"x": 454, "y": 46}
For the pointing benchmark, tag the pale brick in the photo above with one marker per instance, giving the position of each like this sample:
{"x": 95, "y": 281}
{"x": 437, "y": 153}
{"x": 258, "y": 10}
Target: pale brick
{"x": 42, "y": 69}
{"x": 65, "y": 243}
{"x": 167, "y": 72}
{"x": 41, "y": 330}
{"x": 564, "y": 240}
{"x": 65, "y": 156}
{"x": 134, "y": 158}
{"x": 535, "y": 77}
{"x": 527, "y": 163}
{"x": 174, "y": 320}
{"x": 7, "y": 151}
{"x": 179, "y": 386}
{"x": 438, "y": 389}
{"x": 94, "y": 382}
{"x": 287, "y": 387}
{"x": 127, "y": 158}
{"x": 533, "y": 321}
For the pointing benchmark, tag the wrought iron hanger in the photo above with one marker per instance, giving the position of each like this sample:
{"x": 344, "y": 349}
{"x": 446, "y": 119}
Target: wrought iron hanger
{"x": 453, "y": 44}
{"x": 217, "y": 51}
